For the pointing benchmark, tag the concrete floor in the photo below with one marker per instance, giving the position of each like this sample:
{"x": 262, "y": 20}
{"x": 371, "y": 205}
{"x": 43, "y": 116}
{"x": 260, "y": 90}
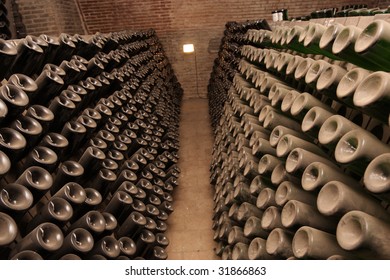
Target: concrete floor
{"x": 189, "y": 226}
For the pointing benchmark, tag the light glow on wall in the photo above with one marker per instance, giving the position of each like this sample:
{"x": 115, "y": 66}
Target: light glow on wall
{"x": 188, "y": 48}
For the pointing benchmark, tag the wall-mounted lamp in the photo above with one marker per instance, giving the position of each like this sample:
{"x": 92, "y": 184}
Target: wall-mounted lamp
{"x": 190, "y": 48}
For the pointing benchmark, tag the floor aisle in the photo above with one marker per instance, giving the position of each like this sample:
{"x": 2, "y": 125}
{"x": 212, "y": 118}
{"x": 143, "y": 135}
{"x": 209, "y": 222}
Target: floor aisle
{"x": 189, "y": 226}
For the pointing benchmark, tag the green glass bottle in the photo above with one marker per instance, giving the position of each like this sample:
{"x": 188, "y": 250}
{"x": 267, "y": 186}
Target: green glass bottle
{"x": 373, "y": 44}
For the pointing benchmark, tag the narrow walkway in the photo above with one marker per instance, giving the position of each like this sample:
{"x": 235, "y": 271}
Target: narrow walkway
{"x": 189, "y": 226}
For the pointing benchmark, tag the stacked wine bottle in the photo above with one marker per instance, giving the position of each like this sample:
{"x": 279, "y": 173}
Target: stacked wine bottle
{"x": 226, "y": 64}
{"x": 88, "y": 147}
{"x": 301, "y": 157}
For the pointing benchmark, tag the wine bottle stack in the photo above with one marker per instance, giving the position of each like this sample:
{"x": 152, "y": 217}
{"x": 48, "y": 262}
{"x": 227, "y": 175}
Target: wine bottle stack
{"x": 345, "y": 11}
{"x": 225, "y": 65}
{"x": 88, "y": 147}
{"x": 301, "y": 157}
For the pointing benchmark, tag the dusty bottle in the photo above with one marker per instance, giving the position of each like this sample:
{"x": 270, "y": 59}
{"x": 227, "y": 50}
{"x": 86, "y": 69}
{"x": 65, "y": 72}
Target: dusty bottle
{"x": 3, "y": 111}
{"x": 376, "y": 178}
{"x": 262, "y": 147}
{"x": 236, "y": 235}
{"x": 93, "y": 114}
{"x": 103, "y": 180}
{"x": 92, "y": 201}
{"x": 247, "y": 210}
{"x": 132, "y": 225}
{"x": 304, "y": 102}
{"x": 287, "y": 191}
{"x": 253, "y": 228}
{"x": 75, "y": 98}
{"x": 314, "y": 119}
{"x": 329, "y": 80}
{"x": 379, "y": 88}
{"x": 45, "y": 238}
{"x": 296, "y": 214}
{"x": 280, "y": 130}
{"x": 302, "y": 68}
{"x": 23, "y": 82}
{"x": 267, "y": 164}
{"x": 334, "y": 128}
{"x": 56, "y": 69}
{"x": 273, "y": 119}
{"x": 91, "y": 160}
{"x": 9, "y": 229}
{"x": 75, "y": 133}
{"x": 288, "y": 100}
{"x": 75, "y": 69}
{"x": 15, "y": 198}
{"x": 289, "y": 142}
{"x": 257, "y": 250}
{"x": 240, "y": 251}
{"x": 312, "y": 40}
{"x": 372, "y": 43}
{"x": 68, "y": 171}
{"x": 358, "y": 230}
{"x": 43, "y": 157}
{"x": 298, "y": 159}
{"x": 343, "y": 47}
{"x": 227, "y": 253}
{"x": 15, "y": 99}
{"x": 108, "y": 247}
{"x": 309, "y": 242}
{"x": 125, "y": 175}
{"x": 279, "y": 174}
{"x": 357, "y": 148}
{"x": 57, "y": 211}
{"x": 329, "y": 35}
{"x": 42, "y": 114}
{"x": 27, "y": 255}
{"x": 30, "y": 128}
{"x": 49, "y": 85}
{"x": 156, "y": 253}
{"x": 29, "y": 53}
{"x": 65, "y": 49}
{"x": 349, "y": 83}
{"x": 144, "y": 241}
{"x": 56, "y": 142}
{"x": 279, "y": 243}
{"x": 92, "y": 221}
{"x": 106, "y": 136}
{"x": 37, "y": 180}
{"x": 119, "y": 203}
{"x": 266, "y": 198}
{"x": 337, "y": 199}
{"x": 314, "y": 72}
{"x": 271, "y": 219}
{"x": 111, "y": 224}
{"x": 5, "y": 164}
{"x": 317, "y": 174}
{"x": 73, "y": 193}
{"x": 127, "y": 246}
{"x": 62, "y": 109}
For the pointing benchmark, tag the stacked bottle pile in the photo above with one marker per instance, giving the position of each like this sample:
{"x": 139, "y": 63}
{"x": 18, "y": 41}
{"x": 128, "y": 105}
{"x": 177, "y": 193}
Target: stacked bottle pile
{"x": 88, "y": 147}
{"x": 301, "y": 157}
{"x": 225, "y": 65}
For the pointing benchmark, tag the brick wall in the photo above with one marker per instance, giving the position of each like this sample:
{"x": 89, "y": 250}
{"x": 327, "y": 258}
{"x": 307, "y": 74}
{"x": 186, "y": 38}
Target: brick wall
{"x": 50, "y": 17}
{"x": 200, "y": 22}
